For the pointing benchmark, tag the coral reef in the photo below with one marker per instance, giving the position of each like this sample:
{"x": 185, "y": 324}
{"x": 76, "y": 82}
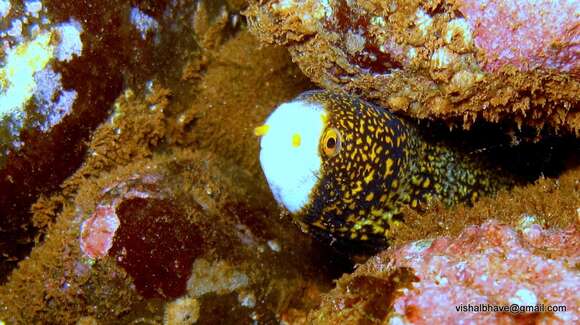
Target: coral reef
{"x": 145, "y": 231}
{"x": 188, "y": 226}
{"x": 62, "y": 66}
{"x": 61, "y": 69}
{"x": 455, "y": 60}
{"x": 145, "y": 203}
{"x": 450, "y": 280}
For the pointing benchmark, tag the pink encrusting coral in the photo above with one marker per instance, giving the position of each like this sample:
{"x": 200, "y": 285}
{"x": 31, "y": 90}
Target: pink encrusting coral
{"x": 485, "y": 267}
{"x": 98, "y": 231}
{"x": 492, "y": 264}
{"x": 526, "y": 34}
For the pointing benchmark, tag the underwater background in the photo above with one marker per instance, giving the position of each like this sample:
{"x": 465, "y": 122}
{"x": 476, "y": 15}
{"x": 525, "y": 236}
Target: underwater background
{"x": 131, "y": 188}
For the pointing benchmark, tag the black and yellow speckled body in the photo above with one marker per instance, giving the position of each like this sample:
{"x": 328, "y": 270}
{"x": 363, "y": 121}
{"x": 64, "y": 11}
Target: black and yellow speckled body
{"x": 383, "y": 164}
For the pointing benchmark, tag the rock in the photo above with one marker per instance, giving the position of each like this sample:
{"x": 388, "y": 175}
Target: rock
{"x": 459, "y": 61}
{"x": 186, "y": 228}
{"x": 490, "y": 273}
{"x": 61, "y": 69}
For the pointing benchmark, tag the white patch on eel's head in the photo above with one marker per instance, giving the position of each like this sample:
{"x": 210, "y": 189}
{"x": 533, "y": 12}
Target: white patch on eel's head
{"x": 289, "y": 152}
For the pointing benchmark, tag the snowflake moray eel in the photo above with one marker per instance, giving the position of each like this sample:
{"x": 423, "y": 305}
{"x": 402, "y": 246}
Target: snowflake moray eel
{"x": 344, "y": 167}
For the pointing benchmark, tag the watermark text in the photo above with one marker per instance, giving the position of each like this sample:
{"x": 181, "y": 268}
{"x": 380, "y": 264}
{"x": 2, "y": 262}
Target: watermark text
{"x": 509, "y": 308}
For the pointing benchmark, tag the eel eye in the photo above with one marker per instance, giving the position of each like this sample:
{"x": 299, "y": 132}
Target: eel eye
{"x": 331, "y": 142}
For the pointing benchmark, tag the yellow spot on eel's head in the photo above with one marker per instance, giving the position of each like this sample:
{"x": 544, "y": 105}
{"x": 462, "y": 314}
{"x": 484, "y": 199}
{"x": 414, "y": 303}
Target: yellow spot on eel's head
{"x": 261, "y": 130}
{"x": 296, "y": 140}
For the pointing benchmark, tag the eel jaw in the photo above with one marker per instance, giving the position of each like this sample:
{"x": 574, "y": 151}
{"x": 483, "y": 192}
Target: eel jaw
{"x": 289, "y": 153}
